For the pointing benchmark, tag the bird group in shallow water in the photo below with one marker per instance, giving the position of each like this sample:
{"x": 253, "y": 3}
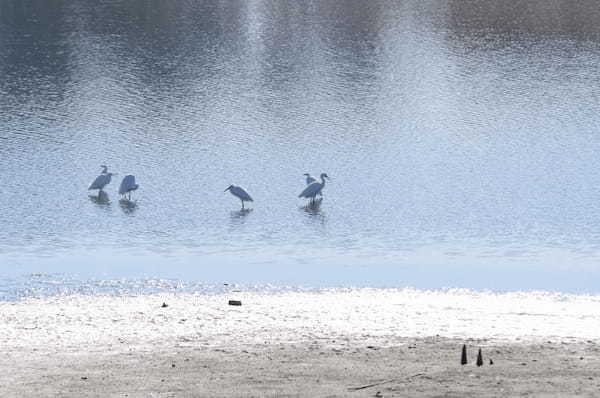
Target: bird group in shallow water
{"x": 313, "y": 187}
{"x": 128, "y": 185}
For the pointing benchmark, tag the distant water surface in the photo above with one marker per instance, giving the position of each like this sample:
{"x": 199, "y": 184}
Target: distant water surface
{"x": 462, "y": 138}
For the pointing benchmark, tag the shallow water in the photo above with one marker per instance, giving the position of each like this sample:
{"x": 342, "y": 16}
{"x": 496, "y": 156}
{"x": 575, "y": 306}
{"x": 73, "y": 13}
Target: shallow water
{"x": 461, "y": 138}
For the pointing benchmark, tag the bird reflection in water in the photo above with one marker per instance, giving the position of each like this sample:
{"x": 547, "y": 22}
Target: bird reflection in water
{"x": 240, "y": 213}
{"x": 313, "y": 214}
{"x": 128, "y": 206}
{"x": 100, "y": 199}
{"x": 238, "y": 218}
{"x": 313, "y": 207}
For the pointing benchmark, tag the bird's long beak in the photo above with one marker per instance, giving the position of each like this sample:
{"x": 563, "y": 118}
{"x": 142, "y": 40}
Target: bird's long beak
{"x": 227, "y": 189}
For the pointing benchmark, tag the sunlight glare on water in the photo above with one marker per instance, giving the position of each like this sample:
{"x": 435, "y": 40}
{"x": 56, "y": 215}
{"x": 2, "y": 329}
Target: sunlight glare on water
{"x": 461, "y": 138}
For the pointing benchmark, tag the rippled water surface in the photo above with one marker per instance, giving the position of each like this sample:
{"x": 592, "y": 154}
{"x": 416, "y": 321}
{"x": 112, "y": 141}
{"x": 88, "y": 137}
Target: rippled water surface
{"x": 462, "y": 138}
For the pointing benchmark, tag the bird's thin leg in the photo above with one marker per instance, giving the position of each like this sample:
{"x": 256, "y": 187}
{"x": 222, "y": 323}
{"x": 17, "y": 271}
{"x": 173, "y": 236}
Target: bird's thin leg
{"x": 242, "y": 205}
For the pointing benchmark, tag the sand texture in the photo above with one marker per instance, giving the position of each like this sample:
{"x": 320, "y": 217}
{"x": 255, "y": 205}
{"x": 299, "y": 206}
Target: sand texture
{"x": 415, "y": 368}
{"x": 333, "y": 343}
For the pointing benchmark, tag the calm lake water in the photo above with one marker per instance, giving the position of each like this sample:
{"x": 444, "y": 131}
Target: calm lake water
{"x": 462, "y": 139}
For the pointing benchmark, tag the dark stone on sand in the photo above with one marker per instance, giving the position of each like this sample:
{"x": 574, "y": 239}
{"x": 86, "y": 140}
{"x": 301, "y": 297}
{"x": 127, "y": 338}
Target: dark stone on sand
{"x": 84, "y": 378}
{"x": 172, "y": 365}
{"x": 491, "y": 362}
{"x": 479, "y": 358}
{"x": 235, "y": 302}
{"x": 463, "y": 357}
{"x": 164, "y": 305}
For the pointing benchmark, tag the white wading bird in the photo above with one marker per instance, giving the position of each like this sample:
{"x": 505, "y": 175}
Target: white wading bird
{"x": 309, "y": 179}
{"x": 127, "y": 186}
{"x": 314, "y": 189}
{"x": 240, "y": 193}
{"x": 101, "y": 181}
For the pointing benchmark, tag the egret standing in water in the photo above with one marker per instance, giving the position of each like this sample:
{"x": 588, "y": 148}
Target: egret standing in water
{"x": 240, "y": 193}
{"x": 127, "y": 186}
{"x": 101, "y": 181}
{"x": 314, "y": 189}
{"x": 309, "y": 179}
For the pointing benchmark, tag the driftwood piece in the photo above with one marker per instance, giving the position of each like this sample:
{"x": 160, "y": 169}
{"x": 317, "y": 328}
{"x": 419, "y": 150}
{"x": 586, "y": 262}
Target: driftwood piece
{"x": 382, "y": 382}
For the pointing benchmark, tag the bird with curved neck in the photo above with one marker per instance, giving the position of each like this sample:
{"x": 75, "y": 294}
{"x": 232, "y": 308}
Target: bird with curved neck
{"x": 101, "y": 181}
{"x": 314, "y": 188}
{"x": 240, "y": 193}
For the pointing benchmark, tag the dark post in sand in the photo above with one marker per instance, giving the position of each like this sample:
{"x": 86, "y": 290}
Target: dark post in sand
{"x": 479, "y": 358}
{"x": 463, "y": 358}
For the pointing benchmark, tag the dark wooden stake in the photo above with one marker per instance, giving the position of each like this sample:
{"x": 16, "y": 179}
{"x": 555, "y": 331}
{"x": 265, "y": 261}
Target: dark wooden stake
{"x": 479, "y": 358}
{"x": 463, "y": 358}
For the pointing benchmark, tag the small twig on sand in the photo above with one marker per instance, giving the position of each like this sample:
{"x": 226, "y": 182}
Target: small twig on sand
{"x": 370, "y": 385}
{"x": 381, "y": 382}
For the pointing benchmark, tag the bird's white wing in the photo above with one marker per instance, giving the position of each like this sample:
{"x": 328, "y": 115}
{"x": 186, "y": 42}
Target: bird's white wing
{"x": 100, "y": 182}
{"x": 310, "y": 190}
{"x": 241, "y": 193}
{"x": 128, "y": 184}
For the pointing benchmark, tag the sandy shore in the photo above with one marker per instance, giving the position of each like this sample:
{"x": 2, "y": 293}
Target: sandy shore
{"x": 415, "y": 368}
{"x": 334, "y": 343}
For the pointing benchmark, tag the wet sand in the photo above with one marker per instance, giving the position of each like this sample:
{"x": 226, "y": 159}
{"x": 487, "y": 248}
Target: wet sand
{"x": 417, "y": 368}
{"x": 330, "y": 343}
